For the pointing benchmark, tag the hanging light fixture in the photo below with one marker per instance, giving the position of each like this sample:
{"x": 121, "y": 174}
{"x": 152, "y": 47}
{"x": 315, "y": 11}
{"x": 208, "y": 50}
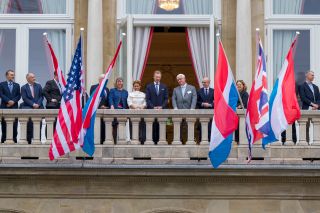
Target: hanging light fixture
{"x": 169, "y": 5}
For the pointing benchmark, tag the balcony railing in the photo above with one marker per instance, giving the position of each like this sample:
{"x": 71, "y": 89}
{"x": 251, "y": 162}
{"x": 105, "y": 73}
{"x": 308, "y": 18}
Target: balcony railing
{"x": 172, "y": 148}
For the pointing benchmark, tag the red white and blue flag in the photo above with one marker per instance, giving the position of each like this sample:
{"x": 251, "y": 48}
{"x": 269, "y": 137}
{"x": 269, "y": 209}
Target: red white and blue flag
{"x": 65, "y": 138}
{"x": 56, "y": 67}
{"x": 86, "y": 136}
{"x": 257, "y": 115}
{"x": 284, "y": 107}
{"x": 225, "y": 119}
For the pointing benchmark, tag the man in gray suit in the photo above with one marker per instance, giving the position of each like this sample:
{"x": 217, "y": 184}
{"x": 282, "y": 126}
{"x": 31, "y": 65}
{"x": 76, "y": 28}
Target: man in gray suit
{"x": 184, "y": 96}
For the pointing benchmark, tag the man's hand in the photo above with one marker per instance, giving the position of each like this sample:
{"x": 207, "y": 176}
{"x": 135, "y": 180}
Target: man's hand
{"x": 314, "y": 106}
{"x": 35, "y": 106}
{"x": 10, "y": 103}
{"x": 111, "y": 107}
{"x": 103, "y": 107}
{"x": 54, "y": 100}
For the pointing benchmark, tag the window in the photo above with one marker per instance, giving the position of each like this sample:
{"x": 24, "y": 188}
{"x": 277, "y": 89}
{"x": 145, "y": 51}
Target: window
{"x": 22, "y": 24}
{"x": 33, "y": 7}
{"x": 296, "y": 7}
{"x": 7, "y": 50}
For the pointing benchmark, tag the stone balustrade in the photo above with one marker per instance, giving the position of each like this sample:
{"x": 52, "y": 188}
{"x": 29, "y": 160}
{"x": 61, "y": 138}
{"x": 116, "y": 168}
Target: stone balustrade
{"x": 181, "y": 140}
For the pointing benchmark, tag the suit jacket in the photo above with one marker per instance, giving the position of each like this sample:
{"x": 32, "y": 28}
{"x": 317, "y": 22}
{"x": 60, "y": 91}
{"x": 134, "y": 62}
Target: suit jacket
{"x": 104, "y": 95}
{"x": 115, "y": 97}
{"x": 27, "y": 98}
{"x": 52, "y": 91}
{"x": 203, "y": 98}
{"x": 154, "y": 100}
{"x": 188, "y": 101}
{"x": 307, "y": 96}
{"x": 244, "y": 98}
{"x": 7, "y": 96}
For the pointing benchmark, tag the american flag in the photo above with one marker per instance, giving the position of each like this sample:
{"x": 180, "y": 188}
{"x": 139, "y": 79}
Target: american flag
{"x": 65, "y": 138}
{"x": 257, "y": 115}
{"x": 56, "y": 66}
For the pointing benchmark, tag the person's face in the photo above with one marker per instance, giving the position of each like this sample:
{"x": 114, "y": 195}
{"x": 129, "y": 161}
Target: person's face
{"x": 31, "y": 79}
{"x": 136, "y": 87}
{"x": 181, "y": 81}
{"x": 240, "y": 86}
{"x": 119, "y": 84}
{"x": 157, "y": 77}
{"x": 205, "y": 83}
{"x": 10, "y": 76}
{"x": 310, "y": 76}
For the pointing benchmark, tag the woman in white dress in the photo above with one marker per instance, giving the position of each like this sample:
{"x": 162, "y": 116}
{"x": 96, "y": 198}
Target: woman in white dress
{"x": 137, "y": 101}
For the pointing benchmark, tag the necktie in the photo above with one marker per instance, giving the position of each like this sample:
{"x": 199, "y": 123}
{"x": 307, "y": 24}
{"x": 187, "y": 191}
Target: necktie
{"x": 10, "y": 86}
{"x": 207, "y": 92}
{"x": 157, "y": 88}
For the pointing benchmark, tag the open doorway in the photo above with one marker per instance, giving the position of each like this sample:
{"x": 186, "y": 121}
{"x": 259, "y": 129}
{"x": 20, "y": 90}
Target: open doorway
{"x": 169, "y": 53}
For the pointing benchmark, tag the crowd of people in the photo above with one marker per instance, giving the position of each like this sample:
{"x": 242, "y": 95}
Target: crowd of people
{"x": 155, "y": 97}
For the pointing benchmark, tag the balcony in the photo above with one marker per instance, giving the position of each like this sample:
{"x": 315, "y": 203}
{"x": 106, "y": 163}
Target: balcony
{"x": 169, "y": 151}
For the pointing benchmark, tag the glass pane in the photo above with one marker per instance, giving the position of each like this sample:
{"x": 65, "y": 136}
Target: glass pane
{"x": 33, "y": 7}
{"x": 199, "y": 7}
{"x": 7, "y": 51}
{"x": 297, "y": 7}
{"x": 281, "y": 43}
{"x": 39, "y": 57}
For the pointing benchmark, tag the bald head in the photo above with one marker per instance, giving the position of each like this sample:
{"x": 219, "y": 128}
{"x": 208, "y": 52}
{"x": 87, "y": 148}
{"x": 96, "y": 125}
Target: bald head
{"x": 310, "y": 76}
{"x": 206, "y": 82}
{"x": 31, "y": 78}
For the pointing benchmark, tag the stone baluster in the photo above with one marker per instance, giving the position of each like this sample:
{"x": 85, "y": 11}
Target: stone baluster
{"x": 176, "y": 131}
{"x": 190, "y": 122}
{"x": 122, "y": 131}
{"x": 23, "y": 130}
{"x": 242, "y": 130}
{"x": 149, "y": 123}
{"x": 50, "y": 129}
{"x": 135, "y": 131}
{"x": 9, "y": 131}
{"x": 36, "y": 130}
{"x": 204, "y": 131}
{"x": 289, "y": 140}
{"x": 97, "y": 129}
{"x": 162, "y": 131}
{"x": 108, "y": 129}
{"x": 316, "y": 131}
{"x": 303, "y": 132}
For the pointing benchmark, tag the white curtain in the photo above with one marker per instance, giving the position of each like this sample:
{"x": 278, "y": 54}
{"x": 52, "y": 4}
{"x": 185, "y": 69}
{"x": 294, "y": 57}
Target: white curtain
{"x": 141, "y": 35}
{"x": 4, "y": 5}
{"x": 199, "y": 38}
{"x": 53, "y": 6}
{"x": 283, "y": 38}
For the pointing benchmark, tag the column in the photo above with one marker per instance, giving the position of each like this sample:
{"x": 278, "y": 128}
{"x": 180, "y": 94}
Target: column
{"x": 23, "y": 130}
{"x": 303, "y": 132}
{"x": 149, "y": 122}
{"x": 108, "y": 128}
{"x": 97, "y": 129}
{"x": 50, "y": 129}
{"x": 176, "y": 131}
{"x": 204, "y": 131}
{"x": 9, "y": 122}
{"x": 135, "y": 131}
{"x": 190, "y": 122}
{"x": 316, "y": 131}
{"x": 94, "y": 42}
{"x": 162, "y": 131}
{"x": 122, "y": 132}
{"x": 36, "y": 130}
{"x": 243, "y": 42}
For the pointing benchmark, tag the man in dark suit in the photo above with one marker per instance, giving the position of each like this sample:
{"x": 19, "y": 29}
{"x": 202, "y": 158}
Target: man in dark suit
{"x": 10, "y": 96}
{"x": 309, "y": 93}
{"x": 104, "y": 104}
{"x": 156, "y": 98}
{"x": 32, "y": 98}
{"x": 52, "y": 91}
{"x": 205, "y": 101}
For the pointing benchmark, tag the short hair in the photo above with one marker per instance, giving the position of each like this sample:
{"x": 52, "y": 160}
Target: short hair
{"x": 181, "y": 76}
{"x": 117, "y": 79}
{"x": 244, "y": 84}
{"x": 309, "y": 72}
{"x": 136, "y": 82}
{"x": 7, "y": 72}
{"x": 157, "y": 72}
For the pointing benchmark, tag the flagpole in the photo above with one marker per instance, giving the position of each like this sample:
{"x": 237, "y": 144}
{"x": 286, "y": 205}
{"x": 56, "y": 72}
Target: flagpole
{"x": 83, "y": 65}
{"x": 239, "y": 97}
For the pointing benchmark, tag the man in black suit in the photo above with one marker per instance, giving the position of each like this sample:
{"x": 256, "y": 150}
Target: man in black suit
{"x": 205, "y": 101}
{"x": 10, "y": 96}
{"x": 52, "y": 91}
{"x": 309, "y": 93}
{"x": 156, "y": 98}
{"x": 32, "y": 97}
{"x": 104, "y": 104}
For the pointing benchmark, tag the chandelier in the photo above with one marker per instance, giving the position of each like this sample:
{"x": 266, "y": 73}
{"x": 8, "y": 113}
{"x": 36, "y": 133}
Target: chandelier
{"x": 169, "y": 5}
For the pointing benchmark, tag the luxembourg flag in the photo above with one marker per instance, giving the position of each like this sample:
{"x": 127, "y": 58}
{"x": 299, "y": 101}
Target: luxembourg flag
{"x": 257, "y": 115}
{"x": 225, "y": 120}
{"x": 86, "y": 137}
{"x": 284, "y": 107}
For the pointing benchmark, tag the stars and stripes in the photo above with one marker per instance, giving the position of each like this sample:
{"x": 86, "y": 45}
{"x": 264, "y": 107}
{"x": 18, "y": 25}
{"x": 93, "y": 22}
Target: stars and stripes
{"x": 65, "y": 138}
